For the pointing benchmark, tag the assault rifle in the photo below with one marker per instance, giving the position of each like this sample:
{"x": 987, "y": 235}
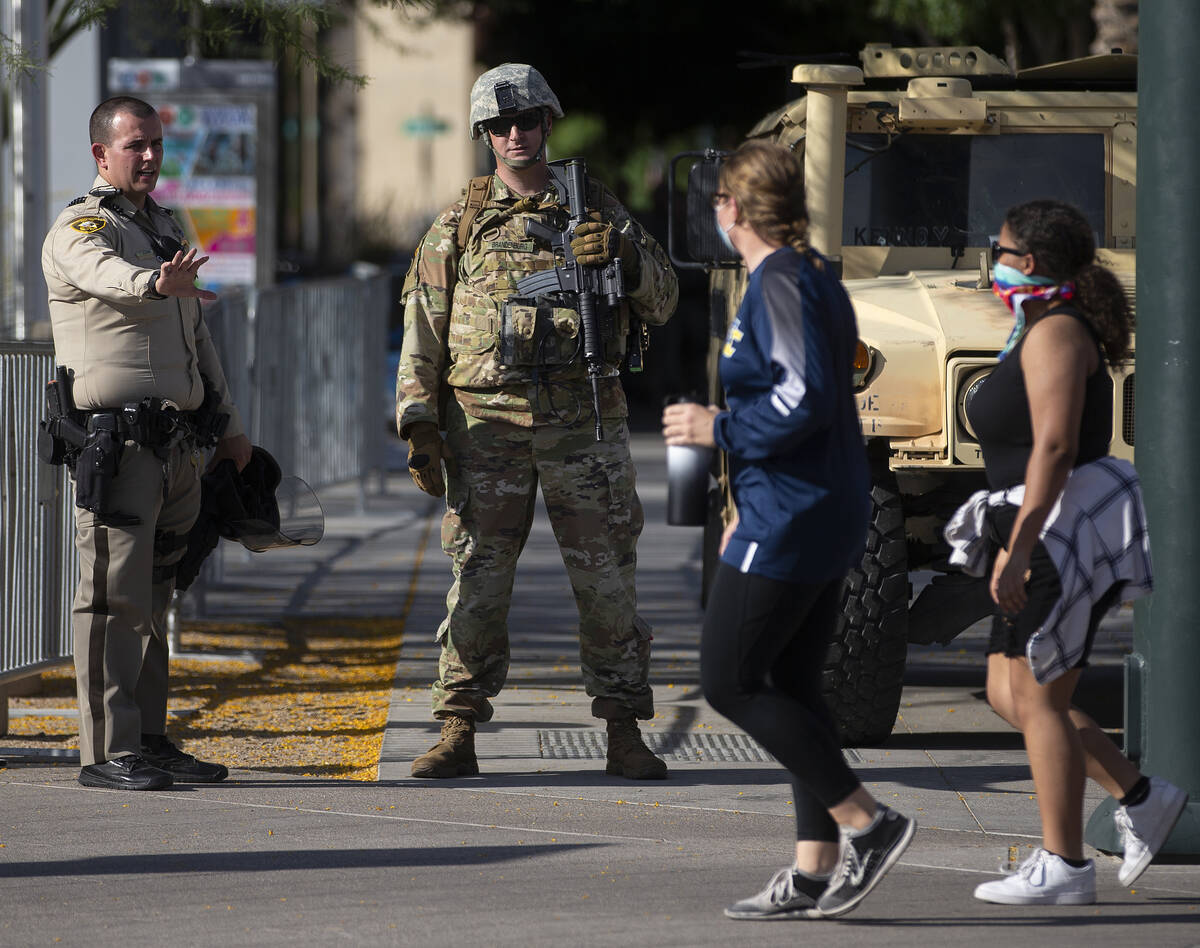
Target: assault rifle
{"x": 569, "y": 176}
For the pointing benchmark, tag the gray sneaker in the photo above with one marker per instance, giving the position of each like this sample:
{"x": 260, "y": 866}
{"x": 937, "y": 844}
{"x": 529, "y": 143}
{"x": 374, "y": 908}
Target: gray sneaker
{"x": 865, "y": 859}
{"x": 779, "y": 900}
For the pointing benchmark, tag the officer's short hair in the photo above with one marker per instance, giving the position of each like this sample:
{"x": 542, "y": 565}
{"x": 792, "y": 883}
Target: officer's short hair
{"x": 100, "y": 126}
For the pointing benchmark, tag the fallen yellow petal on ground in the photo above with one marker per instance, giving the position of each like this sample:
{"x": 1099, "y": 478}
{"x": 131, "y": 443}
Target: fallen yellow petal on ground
{"x": 313, "y": 701}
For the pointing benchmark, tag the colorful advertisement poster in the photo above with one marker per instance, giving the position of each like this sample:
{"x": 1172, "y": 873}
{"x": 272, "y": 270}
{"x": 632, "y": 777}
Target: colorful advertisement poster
{"x": 209, "y": 179}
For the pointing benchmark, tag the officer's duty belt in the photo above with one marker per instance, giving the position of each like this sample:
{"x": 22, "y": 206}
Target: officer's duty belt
{"x": 149, "y": 425}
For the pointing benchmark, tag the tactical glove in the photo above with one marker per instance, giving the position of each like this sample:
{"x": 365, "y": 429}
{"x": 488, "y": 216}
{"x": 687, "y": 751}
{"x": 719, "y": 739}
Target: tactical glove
{"x": 597, "y": 243}
{"x": 426, "y": 451}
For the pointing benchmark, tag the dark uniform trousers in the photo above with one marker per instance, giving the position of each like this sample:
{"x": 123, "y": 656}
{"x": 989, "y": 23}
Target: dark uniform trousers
{"x": 121, "y": 650}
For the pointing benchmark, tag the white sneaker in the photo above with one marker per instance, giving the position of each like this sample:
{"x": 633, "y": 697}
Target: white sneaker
{"x": 1145, "y": 827}
{"x": 1042, "y": 879}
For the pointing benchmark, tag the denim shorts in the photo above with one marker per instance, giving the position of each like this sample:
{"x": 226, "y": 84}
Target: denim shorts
{"x": 1011, "y": 633}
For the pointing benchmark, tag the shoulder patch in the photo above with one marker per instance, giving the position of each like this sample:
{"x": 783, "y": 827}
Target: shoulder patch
{"x": 78, "y": 200}
{"x": 88, "y": 225}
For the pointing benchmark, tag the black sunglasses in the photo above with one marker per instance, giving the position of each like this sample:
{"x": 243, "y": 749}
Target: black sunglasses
{"x": 998, "y": 249}
{"x": 525, "y": 121}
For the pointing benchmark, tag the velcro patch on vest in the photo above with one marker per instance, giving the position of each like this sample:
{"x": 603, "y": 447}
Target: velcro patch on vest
{"x": 518, "y": 246}
{"x": 88, "y": 225}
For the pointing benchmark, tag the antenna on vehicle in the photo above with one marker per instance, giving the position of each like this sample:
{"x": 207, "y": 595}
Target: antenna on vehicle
{"x": 985, "y": 276}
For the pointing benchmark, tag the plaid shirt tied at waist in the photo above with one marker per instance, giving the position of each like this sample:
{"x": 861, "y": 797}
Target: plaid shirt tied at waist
{"x": 1096, "y": 536}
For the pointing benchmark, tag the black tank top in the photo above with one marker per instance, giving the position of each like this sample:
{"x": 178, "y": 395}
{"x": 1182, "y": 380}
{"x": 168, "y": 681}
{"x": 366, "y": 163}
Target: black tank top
{"x": 999, "y": 413}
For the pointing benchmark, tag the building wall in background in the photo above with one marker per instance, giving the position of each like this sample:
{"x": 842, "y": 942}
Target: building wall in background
{"x": 414, "y": 154}
{"x": 74, "y": 91}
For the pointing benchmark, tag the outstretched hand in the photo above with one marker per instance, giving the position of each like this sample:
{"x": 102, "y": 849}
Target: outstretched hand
{"x": 177, "y": 276}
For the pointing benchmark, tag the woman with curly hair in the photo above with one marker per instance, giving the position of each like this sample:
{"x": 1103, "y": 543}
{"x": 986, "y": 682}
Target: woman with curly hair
{"x": 1068, "y": 528}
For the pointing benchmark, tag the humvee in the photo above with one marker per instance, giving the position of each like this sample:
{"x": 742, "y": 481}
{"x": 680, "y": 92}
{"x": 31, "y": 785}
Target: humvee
{"x": 910, "y": 162}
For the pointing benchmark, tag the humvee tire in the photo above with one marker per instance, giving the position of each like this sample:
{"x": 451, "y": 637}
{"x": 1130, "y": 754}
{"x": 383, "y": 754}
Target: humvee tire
{"x": 864, "y": 667}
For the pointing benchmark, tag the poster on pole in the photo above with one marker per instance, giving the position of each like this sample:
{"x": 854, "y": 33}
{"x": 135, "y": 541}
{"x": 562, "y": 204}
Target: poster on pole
{"x": 219, "y": 166}
{"x": 209, "y": 177}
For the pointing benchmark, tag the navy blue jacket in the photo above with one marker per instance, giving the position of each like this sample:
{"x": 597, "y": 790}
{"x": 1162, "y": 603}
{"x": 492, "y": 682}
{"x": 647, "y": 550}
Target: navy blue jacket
{"x": 797, "y": 463}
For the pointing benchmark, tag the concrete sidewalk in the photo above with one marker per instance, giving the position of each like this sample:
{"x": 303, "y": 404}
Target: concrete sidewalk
{"x": 543, "y": 848}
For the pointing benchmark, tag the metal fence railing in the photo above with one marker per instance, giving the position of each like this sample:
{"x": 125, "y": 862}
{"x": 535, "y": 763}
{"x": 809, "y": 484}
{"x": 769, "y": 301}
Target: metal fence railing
{"x": 304, "y": 362}
{"x": 37, "y": 553}
{"x": 317, "y": 364}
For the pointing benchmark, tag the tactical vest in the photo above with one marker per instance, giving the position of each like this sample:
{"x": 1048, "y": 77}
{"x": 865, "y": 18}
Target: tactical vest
{"x": 496, "y": 338}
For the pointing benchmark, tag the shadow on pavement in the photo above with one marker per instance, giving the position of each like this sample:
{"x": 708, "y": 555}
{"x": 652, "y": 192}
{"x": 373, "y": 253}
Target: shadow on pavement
{"x": 1067, "y": 919}
{"x": 955, "y": 740}
{"x": 146, "y": 864}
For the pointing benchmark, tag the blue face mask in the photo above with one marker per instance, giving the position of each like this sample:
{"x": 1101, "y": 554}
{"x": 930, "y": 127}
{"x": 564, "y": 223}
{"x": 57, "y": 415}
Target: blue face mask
{"x": 1007, "y": 277}
{"x": 722, "y": 233}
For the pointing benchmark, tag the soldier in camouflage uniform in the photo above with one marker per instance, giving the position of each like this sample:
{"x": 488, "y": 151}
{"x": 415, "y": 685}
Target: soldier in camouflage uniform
{"x": 509, "y": 389}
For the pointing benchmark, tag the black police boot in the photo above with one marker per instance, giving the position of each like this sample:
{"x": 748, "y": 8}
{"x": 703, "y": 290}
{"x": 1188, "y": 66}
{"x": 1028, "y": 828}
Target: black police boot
{"x": 183, "y": 767}
{"x": 127, "y": 772}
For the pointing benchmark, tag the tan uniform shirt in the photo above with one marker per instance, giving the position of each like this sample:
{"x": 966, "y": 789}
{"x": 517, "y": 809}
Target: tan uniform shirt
{"x": 122, "y": 342}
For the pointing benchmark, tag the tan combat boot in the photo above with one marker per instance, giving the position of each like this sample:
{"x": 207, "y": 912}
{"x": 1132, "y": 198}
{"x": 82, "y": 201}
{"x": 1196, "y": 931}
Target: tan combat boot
{"x": 628, "y": 755}
{"x": 454, "y": 754}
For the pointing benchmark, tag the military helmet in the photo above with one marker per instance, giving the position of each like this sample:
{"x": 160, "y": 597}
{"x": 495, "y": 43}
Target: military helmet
{"x": 507, "y": 90}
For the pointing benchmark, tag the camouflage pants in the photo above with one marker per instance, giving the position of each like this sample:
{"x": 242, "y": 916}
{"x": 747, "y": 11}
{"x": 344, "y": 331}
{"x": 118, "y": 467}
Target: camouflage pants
{"x": 596, "y": 516}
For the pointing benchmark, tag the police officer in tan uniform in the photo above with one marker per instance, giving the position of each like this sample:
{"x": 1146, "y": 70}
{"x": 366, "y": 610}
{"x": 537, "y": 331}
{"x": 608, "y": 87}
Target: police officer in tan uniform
{"x": 504, "y": 378}
{"x": 128, "y": 328}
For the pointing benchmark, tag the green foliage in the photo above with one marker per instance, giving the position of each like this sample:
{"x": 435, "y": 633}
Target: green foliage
{"x": 288, "y": 30}
{"x": 632, "y": 162}
{"x": 577, "y": 134}
{"x": 1035, "y": 32}
{"x": 947, "y": 20}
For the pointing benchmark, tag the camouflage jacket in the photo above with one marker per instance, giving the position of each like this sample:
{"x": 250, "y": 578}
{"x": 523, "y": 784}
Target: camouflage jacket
{"x": 455, "y": 307}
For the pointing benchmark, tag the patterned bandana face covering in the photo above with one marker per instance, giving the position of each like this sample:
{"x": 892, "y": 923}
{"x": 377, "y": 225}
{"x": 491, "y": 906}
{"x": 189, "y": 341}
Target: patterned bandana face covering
{"x": 1013, "y": 288}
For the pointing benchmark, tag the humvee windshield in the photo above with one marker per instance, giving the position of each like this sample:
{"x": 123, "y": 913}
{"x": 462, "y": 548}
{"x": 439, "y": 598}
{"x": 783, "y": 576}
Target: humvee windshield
{"x": 953, "y": 190}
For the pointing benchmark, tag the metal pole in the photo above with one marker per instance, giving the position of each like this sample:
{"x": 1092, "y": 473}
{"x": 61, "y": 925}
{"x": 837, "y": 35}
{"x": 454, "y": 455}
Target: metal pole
{"x": 1162, "y": 725}
{"x": 29, "y": 169}
{"x": 8, "y": 256}
{"x": 825, "y": 150}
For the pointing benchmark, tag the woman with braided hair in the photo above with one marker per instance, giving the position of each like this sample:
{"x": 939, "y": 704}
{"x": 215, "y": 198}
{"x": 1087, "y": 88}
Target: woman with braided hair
{"x": 1067, "y": 525}
{"x": 800, "y": 480}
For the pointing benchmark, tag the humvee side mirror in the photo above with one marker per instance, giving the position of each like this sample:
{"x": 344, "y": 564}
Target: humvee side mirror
{"x": 705, "y": 249}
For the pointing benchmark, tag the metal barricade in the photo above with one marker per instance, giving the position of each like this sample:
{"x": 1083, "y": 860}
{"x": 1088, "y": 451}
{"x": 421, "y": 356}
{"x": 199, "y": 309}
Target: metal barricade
{"x": 304, "y": 364}
{"x": 38, "y": 564}
{"x": 316, "y": 370}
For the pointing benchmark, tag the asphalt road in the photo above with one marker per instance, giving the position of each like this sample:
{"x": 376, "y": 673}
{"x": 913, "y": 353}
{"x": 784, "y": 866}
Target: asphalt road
{"x": 543, "y": 848}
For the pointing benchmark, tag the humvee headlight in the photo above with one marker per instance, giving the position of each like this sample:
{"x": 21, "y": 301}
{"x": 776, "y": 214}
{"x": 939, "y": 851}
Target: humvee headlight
{"x": 864, "y": 359}
{"x": 969, "y": 387}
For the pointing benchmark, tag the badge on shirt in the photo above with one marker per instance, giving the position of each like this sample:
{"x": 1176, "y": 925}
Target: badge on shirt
{"x": 88, "y": 225}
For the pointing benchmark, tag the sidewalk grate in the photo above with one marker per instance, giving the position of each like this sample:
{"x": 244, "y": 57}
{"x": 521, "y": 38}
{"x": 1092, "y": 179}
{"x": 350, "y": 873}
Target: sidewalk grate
{"x": 593, "y": 745}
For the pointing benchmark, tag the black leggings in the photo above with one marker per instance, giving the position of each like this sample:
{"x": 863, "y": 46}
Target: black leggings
{"x": 761, "y": 653}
